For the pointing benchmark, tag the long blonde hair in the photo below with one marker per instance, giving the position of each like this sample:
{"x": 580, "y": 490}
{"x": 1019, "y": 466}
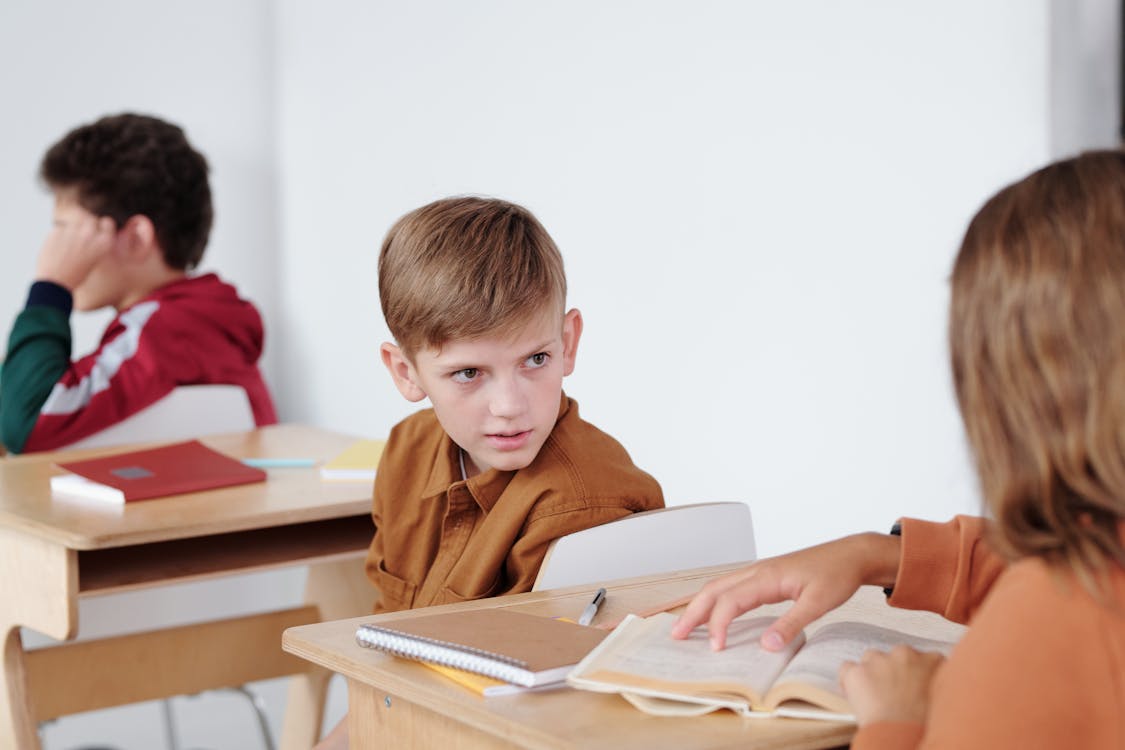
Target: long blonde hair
{"x": 1037, "y": 335}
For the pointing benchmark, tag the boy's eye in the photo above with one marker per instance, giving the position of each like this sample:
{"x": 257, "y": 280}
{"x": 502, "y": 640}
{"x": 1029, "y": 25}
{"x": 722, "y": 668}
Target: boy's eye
{"x": 537, "y": 360}
{"x": 465, "y": 376}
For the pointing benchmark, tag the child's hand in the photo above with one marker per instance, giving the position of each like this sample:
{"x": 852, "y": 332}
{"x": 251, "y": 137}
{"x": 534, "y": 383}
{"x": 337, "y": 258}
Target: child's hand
{"x": 75, "y": 244}
{"x": 816, "y": 579}
{"x": 891, "y": 686}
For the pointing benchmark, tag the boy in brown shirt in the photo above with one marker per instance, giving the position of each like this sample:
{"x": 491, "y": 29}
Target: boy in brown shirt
{"x": 470, "y": 492}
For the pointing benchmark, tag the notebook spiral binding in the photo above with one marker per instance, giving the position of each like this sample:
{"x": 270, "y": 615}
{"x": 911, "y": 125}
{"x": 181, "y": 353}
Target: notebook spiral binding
{"x": 436, "y": 651}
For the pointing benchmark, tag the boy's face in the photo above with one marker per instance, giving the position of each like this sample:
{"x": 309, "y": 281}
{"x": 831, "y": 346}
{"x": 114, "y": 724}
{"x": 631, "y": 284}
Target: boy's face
{"x": 497, "y": 398}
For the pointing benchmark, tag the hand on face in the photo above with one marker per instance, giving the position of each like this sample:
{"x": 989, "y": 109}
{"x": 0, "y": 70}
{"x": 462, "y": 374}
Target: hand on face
{"x": 891, "y": 686}
{"x": 76, "y": 243}
{"x": 816, "y": 579}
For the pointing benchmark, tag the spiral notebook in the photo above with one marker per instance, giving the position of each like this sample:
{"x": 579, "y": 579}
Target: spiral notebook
{"x": 511, "y": 646}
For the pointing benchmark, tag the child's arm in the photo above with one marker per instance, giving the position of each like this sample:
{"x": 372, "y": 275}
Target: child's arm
{"x": 939, "y": 567}
{"x": 136, "y": 364}
{"x": 816, "y": 579}
{"x": 946, "y": 568}
{"x": 39, "y": 345}
{"x": 38, "y": 355}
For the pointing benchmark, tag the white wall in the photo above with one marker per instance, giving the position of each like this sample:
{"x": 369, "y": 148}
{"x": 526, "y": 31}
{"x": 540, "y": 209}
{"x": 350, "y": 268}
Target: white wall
{"x": 1085, "y": 72}
{"x": 758, "y": 204}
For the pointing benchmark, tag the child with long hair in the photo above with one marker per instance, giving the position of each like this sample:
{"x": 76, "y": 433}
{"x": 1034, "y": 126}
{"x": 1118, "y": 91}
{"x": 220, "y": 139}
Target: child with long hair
{"x": 1037, "y": 336}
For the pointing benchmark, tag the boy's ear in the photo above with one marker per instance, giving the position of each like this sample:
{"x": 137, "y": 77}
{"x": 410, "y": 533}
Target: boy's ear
{"x": 137, "y": 238}
{"x": 402, "y": 372}
{"x": 572, "y": 331}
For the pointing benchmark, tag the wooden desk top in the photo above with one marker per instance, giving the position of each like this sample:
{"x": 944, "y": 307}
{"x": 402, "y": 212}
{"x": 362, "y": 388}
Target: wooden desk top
{"x": 573, "y": 718}
{"x": 289, "y": 496}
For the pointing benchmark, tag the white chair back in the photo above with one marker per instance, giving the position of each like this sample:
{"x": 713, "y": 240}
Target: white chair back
{"x": 656, "y": 541}
{"x": 187, "y": 412}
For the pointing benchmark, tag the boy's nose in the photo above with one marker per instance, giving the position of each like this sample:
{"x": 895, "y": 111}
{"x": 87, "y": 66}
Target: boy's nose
{"x": 507, "y": 399}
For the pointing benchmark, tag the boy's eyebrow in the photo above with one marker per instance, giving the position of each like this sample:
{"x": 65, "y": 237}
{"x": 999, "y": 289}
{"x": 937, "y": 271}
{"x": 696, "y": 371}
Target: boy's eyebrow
{"x": 545, "y": 345}
{"x": 455, "y": 365}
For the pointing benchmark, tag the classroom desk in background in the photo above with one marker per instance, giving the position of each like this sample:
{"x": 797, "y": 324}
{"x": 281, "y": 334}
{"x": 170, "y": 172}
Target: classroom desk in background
{"x": 397, "y": 703}
{"x": 53, "y": 551}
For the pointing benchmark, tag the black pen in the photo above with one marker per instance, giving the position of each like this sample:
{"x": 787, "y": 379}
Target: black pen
{"x": 592, "y": 608}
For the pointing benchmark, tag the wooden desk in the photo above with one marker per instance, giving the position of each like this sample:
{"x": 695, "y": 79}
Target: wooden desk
{"x": 53, "y": 551}
{"x": 396, "y": 703}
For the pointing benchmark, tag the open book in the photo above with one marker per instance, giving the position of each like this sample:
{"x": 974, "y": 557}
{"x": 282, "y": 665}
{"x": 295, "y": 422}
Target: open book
{"x": 660, "y": 675}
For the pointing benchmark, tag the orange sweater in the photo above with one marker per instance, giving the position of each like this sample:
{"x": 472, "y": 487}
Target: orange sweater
{"x": 1042, "y": 664}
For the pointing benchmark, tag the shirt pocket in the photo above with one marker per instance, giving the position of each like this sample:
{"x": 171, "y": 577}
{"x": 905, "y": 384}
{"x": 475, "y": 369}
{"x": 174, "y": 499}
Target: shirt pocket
{"x": 467, "y": 588}
{"x": 396, "y": 593}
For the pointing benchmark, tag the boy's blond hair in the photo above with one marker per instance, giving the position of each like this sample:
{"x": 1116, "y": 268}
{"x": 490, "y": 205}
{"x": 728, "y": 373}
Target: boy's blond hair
{"x": 1037, "y": 333}
{"x": 467, "y": 267}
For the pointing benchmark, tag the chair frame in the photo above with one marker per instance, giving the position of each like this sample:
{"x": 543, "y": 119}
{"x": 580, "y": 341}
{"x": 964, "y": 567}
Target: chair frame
{"x": 660, "y": 541}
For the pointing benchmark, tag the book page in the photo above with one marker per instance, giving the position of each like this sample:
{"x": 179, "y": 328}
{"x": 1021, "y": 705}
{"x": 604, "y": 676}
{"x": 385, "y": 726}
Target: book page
{"x": 648, "y": 657}
{"x": 813, "y": 674}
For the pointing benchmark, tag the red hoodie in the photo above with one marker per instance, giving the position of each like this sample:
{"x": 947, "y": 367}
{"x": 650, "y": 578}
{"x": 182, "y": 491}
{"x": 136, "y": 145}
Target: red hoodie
{"x": 193, "y": 331}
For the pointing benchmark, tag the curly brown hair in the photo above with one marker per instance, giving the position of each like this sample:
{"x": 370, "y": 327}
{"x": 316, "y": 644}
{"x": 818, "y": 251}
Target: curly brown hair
{"x": 1037, "y": 337}
{"x": 128, "y": 164}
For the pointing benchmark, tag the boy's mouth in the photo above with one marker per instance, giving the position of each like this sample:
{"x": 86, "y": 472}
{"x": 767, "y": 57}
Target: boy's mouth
{"x": 508, "y": 441}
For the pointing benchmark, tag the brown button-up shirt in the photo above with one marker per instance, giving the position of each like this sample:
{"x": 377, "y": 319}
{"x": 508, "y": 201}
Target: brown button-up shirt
{"x": 441, "y": 539}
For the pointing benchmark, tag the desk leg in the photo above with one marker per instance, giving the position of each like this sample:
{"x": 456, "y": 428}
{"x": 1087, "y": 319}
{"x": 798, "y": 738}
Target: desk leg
{"x": 338, "y": 589}
{"x": 41, "y": 592}
{"x": 16, "y": 724}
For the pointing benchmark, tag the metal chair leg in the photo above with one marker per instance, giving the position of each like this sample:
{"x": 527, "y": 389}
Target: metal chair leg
{"x": 259, "y": 707}
{"x": 256, "y": 703}
{"x": 169, "y": 724}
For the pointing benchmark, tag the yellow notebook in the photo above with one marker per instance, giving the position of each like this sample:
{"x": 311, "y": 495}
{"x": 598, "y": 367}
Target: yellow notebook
{"x": 487, "y": 686}
{"x": 356, "y": 464}
{"x": 478, "y": 683}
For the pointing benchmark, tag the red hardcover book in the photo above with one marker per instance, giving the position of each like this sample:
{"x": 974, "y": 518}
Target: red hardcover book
{"x": 158, "y": 472}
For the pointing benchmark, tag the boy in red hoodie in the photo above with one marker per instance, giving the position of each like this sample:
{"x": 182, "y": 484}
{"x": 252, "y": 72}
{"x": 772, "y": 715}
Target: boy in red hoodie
{"x": 132, "y": 217}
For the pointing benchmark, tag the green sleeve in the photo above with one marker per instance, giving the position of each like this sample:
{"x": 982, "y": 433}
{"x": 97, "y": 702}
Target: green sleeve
{"x": 38, "y": 355}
